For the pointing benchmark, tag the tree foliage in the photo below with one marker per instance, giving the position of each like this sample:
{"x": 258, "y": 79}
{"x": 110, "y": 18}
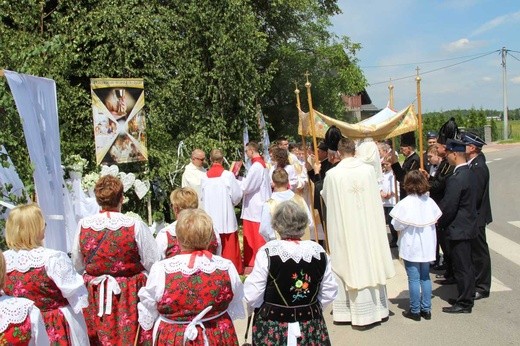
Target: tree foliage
{"x": 205, "y": 64}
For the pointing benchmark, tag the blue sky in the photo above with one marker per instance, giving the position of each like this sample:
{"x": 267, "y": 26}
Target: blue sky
{"x": 415, "y": 32}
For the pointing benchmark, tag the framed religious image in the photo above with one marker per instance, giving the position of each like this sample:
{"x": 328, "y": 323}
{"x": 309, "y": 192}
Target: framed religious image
{"x": 119, "y": 120}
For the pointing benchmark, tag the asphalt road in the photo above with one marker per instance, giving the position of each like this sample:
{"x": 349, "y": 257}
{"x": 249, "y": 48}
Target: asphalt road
{"x": 495, "y": 320}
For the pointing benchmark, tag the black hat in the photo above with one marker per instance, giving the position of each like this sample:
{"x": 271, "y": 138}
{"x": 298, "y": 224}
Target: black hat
{"x": 332, "y": 137}
{"x": 472, "y": 138}
{"x": 408, "y": 139}
{"x": 323, "y": 146}
{"x": 447, "y": 131}
{"x": 431, "y": 135}
{"x": 455, "y": 145}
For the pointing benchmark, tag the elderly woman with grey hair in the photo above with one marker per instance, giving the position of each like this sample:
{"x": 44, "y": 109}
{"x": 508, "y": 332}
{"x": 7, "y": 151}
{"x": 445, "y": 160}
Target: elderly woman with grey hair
{"x": 290, "y": 284}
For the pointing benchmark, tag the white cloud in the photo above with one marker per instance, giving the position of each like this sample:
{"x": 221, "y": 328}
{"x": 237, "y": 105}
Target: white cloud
{"x": 460, "y": 44}
{"x": 515, "y": 80}
{"x": 496, "y": 22}
{"x": 487, "y": 79}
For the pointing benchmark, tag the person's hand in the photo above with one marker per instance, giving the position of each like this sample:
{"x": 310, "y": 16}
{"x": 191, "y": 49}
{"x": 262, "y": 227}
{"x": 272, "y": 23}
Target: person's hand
{"x": 317, "y": 168}
{"x": 426, "y": 175}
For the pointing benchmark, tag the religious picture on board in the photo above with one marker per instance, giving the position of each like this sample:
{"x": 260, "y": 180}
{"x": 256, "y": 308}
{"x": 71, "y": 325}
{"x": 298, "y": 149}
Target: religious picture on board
{"x": 119, "y": 120}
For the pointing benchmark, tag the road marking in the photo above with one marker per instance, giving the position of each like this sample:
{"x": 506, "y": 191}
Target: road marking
{"x": 497, "y": 159}
{"x": 515, "y": 223}
{"x": 505, "y": 247}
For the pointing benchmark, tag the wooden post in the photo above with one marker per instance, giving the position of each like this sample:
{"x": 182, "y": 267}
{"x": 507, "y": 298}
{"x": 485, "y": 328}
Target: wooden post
{"x": 313, "y": 132}
{"x": 311, "y": 194}
{"x": 419, "y": 115}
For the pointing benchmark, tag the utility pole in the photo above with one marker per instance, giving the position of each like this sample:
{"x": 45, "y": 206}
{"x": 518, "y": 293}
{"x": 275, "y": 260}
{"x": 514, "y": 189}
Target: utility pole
{"x": 504, "y": 86}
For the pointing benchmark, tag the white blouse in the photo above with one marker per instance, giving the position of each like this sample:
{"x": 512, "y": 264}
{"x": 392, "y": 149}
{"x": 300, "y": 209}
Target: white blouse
{"x": 150, "y": 294}
{"x": 15, "y": 310}
{"x": 113, "y": 221}
{"x": 162, "y": 239}
{"x": 305, "y": 250}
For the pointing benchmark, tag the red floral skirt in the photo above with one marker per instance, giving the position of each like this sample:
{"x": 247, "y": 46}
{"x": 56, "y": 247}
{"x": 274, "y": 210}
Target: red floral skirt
{"x": 121, "y": 326}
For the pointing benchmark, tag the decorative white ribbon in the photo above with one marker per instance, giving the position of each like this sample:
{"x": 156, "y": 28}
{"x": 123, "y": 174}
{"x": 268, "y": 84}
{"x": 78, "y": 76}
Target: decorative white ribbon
{"x": 190, "y": 332}
{"x": 112, "y": 288}
{"x": 293, "y": 333}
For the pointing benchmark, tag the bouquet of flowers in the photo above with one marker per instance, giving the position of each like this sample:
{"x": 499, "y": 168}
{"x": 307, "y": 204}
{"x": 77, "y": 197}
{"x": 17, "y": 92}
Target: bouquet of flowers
{"x": 89, "y": 181}
{"x": 75, "y": 163}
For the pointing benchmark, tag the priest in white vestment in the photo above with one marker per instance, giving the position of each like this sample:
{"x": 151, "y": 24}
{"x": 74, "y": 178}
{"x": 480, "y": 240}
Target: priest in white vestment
{"x": 359, "y": 251}
{"x": 194, "y": 172}
{"x": 220, "y": 193}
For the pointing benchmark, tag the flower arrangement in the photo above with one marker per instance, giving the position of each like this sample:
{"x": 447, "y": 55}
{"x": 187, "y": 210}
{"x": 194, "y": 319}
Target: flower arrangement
{"x": 89, "y": 181}
{"x": 76, "y": 163}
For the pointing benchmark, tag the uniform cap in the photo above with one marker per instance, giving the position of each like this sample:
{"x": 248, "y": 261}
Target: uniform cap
{"x": 455, "y": 145}
{"x": 472, "y": 138}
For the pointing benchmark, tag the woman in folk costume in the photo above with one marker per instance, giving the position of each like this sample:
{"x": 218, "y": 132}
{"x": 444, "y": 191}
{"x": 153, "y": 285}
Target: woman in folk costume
{"x": 44, "y": 276}
{"x": 114, "y": 251}
{"x": 415, "y": 217}
{"x": 167, "y": 243}
{"x": 290, "y": 285}
{"x": 191, "y": 298}
{"x": 21, "y": 322}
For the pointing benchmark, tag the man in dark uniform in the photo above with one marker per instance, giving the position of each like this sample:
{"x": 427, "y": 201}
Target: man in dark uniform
{"x": 318, "y": 177}
{"x": 411, "y": 161}
{"x": 458, "y": 220}
{"x": 431, "y": 137}
{"x": 479, "y": 246}
{"x": 449, "y": 130}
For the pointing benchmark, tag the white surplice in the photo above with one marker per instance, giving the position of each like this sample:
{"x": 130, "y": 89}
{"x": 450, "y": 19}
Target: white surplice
{"x": 256, "y": 187}
{"x": 266, "y": 231}
{"x": 358, "y": 242}
{"x": 219, "y": 197}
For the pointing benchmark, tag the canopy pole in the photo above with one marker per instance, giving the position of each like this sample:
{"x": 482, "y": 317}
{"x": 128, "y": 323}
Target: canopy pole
{"x": 391, "y": 104}
{"x": 304, "y": 145}
{"x": 419, "y": 115}
{"x": 313, "y": 131}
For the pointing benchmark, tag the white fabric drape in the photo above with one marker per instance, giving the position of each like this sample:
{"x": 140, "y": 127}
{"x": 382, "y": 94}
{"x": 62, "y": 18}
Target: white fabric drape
{"x": 8, "y": 175}
{"x": 35, "y": 98}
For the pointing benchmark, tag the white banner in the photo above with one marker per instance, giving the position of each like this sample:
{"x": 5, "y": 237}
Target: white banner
{"x": 35, "y": 98}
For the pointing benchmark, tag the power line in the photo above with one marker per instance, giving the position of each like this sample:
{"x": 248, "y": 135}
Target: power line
{"x": 511, "y": 55}
{"x": 437, "y": 69}
{"x": 426, "y": 62}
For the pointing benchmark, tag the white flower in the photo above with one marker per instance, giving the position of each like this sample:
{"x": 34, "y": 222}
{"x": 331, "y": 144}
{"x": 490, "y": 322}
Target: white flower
{"x": 75, "y": 163}
{"x": 89, "y": 181}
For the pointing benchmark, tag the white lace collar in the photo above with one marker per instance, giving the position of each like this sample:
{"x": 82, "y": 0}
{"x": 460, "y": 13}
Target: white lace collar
{"x": 13, "y": 311}
{"x": 107, "y": 220}
{"x": 24, "y": 260}
{"x": 179, "y": 263}
{"x": 304, "y": 249}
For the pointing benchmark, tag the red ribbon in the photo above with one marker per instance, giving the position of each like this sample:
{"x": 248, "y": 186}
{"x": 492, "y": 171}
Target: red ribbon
{"x": 197, "y": 253}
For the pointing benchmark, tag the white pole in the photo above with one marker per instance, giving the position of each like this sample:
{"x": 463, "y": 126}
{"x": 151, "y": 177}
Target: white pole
{"x": 504, "y": 86}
